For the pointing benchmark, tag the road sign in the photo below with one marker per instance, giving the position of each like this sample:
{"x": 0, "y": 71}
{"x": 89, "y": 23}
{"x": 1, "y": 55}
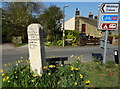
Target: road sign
{"x": 109, "y": 18}
{"x": 108, "y": 13}
{"x": 109, "y": 8}
{"x": 109, "y": 26}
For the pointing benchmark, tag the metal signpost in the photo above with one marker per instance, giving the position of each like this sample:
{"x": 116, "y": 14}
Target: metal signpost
{"x": 108, "y": 20}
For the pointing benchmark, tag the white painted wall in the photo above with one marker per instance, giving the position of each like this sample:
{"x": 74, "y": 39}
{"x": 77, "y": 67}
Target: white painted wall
{"x": 69, "y": 24}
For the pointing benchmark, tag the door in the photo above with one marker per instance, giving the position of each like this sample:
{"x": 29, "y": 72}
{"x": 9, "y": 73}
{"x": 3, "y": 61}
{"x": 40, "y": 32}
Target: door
{"x": 83, "y": 28}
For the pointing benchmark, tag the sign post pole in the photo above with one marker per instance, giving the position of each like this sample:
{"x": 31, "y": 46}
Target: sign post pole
{"x": 105, "y": 47}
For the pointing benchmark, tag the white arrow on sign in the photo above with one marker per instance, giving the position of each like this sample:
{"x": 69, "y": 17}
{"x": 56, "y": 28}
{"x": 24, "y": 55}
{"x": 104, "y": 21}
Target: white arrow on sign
{"x": 109, "y": 8}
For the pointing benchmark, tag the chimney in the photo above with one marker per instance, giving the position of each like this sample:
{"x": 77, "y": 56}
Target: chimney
{"x": 90, "y": 15}
{"x": 77, "y": 12}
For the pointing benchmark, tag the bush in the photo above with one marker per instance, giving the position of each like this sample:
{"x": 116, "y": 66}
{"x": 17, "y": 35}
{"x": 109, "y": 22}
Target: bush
{"x": 55, "y": 76}
{"x": 59, "y": 42}
{"x": 48, "y": 43}
{"x": 72, "y": 35}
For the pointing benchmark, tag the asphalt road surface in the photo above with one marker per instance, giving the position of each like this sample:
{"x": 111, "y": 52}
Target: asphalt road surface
{"x": 10, "y": 55}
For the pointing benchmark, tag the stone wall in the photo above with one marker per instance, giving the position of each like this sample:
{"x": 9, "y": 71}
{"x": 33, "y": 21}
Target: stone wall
{"x": 90, "y": 30}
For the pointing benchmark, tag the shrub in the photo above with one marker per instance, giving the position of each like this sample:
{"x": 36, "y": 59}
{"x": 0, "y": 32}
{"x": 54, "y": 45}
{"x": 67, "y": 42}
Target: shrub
{"x": 72, "y": 35}
{"x": 59, "y": 42}
{"x": 55, "y": 76}
{"x": 48, "y": 43}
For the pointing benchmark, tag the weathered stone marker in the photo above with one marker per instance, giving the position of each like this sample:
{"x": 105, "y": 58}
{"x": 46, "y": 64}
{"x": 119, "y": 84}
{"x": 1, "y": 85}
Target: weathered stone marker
{"x": 36, "y": 47}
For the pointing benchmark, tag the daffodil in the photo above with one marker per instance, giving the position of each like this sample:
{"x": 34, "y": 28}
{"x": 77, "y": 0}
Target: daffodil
{"x": 72, "y": 68}
{"x": 2, "y": 70}
{"x": 7, "y": 77}
{"x": 71, "y": 75}
{"x": 32, "y": 80}
{"x": 87, "y": 81}
{"x": 58, "y": 82}
{"x": 27, "y": 61}
{"x": 8, "y": 81}
{"x": 40, "y": 75}
{"x": 81, "y": 76}
{"x": 34, "y": 75}
{"x": 51, "y": 66}
{"x": 77, "y": 62}
{"x": 5, "y": 64}
{"x": 3, "y": 79}
{"x": 76, "y": 69}
{"x": 21, "y": 57}
{"x": 49, "y": 73}
{"x": 75, "y": 83}
{"x": 45, "y": 67}
{"x": 19, "y": 61}
{"x": 3, "y": 74}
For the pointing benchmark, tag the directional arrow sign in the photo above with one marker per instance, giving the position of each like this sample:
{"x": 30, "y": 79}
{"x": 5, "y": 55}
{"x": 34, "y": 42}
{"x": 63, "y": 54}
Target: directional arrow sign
{"x": 109, "y": 18}
{"x": 109, "y": 8}
{"x": 109, "y": 26}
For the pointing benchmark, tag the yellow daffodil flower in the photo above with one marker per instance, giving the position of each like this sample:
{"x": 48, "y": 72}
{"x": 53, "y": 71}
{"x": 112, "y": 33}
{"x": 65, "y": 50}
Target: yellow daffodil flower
{"x": 75, "y": 83}
{"x": 7, "y": 77}
{"x": 76, "y": 62}
{"x": 71, "y": 75}
{"x": 45, "y": 67}
{"x": 2, "y": 70}
{"x": 3, "y": 79}
{"x": 32, "y": 80}
{"x": 21, "y": 57}
{"x": 51, "y": 66}
{"x": 81, "y": 76}
{"x": 40, "y": 75}
{"x": 76, "y": 69}
{"x": 34, "y": 75}
{"x": 49, "y": 73}
{"x": 3, "y": 74}
{"x": 8, "y": 81}
{"x": 58, "y": 83}
{"x": 72, "y": 68}
{"x": 87, "y": 81}
{"x": 5, "y": 64}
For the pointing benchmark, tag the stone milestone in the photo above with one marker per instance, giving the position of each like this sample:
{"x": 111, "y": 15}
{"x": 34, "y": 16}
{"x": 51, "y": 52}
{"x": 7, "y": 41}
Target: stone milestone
{"x": 36, "y": 48}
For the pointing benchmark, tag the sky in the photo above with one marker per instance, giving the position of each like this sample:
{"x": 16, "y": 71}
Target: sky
{"x": 83, "y": 7}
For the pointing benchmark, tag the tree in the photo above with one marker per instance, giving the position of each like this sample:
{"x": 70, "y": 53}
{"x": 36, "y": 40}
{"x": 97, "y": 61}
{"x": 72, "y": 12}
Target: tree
{"x": 17, "y": 16}
{"x": 50, "y": 19}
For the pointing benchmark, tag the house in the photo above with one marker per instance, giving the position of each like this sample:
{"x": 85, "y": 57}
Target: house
{"x": 83, "y": 24}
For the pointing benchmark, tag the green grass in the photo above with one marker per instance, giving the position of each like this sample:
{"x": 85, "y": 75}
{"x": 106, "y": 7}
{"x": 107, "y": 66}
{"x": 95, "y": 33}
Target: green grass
{"x": 100, "y": 75}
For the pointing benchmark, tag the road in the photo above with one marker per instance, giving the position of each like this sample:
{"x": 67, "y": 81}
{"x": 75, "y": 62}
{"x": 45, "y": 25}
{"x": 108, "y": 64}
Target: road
{"x": 13, "y": 54}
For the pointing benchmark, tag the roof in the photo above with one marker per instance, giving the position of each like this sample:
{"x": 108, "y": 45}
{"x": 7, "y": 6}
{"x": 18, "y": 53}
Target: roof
{"x": 93, "y": 22}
